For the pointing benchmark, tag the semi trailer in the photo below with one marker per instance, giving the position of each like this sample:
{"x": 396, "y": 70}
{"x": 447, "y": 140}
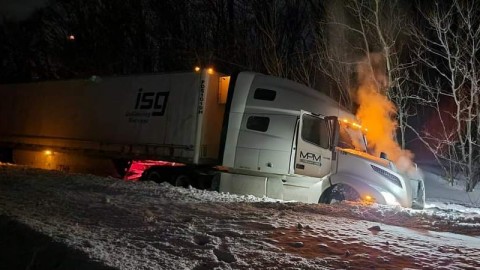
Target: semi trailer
{"x": 246, "y": 134}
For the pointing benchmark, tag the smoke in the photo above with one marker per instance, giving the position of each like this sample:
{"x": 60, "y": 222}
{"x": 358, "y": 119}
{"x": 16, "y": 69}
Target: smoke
{"x": 377, "y": 113}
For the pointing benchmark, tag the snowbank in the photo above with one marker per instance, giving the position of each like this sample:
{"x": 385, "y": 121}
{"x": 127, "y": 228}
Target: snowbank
{"x": 143, "y": 225}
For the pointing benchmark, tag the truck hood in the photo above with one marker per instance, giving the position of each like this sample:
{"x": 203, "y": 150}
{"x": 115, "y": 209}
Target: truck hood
{"x": 379, "y": 161}
{"x": 414, "y": 174}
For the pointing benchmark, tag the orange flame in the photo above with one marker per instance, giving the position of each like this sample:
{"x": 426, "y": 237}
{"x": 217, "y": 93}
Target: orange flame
{"x": 376, "y": 112}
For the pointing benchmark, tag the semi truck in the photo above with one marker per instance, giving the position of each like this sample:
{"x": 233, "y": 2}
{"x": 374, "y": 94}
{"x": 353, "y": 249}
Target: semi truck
{"x": 246, "y": 133}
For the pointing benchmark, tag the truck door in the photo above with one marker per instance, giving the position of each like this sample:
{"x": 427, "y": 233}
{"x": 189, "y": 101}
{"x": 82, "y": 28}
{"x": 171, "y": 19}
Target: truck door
{"x": 313, "y": 156}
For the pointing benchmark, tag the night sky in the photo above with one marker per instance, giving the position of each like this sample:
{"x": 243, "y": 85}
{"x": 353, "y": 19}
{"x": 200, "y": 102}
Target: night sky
{"x": 19, "y": 9}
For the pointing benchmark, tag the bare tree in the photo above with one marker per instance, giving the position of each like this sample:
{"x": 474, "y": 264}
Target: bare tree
{"x": 354, "y": 30}
{"x": 380, "y": 32}
{"x": 449, "y": 48}
{"x": 336, "y": 55}
{"x": 282, "y": 33}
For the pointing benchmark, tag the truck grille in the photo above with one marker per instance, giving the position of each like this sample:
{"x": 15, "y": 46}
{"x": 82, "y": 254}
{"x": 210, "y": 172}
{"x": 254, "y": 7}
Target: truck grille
{"x": 388, "y": 175}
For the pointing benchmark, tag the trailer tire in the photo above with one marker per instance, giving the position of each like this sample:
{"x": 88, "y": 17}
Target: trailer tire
{"x": 155, "y": 176}
{"x": 121, "y": 166}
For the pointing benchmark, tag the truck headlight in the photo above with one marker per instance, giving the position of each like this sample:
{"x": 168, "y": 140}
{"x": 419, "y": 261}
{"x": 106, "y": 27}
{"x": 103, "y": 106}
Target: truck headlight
{"x": 389, "y": 198}
{"x": 387, "y": 175}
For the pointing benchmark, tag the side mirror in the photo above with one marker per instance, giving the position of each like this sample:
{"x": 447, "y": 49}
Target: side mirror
{"x": 334, "y": 126}
{"x": 383, "y": 155}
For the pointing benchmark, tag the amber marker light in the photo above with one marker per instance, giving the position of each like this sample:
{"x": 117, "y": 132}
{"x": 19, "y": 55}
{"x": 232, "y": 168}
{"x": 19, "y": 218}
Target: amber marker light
{"x": 48, "y": 152}
{"x": 210, "y": 70}
{"x": 368, "y": 199}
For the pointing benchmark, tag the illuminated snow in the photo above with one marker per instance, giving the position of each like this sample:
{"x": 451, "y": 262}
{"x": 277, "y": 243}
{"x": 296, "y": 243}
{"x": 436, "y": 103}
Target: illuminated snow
{"x": 144, "y": 225}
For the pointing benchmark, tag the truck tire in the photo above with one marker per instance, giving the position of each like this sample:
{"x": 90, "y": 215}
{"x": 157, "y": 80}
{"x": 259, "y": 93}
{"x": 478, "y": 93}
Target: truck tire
{"x": 182, "y": 180}
{"x": 419, "y": 202}
{"x": 338, "y": 193}
{"x": 212, "y": 182}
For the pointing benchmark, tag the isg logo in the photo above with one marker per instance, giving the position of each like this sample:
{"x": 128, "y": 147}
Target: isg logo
{"x": 147, "y": 105}
{"x": 156, "y": 101}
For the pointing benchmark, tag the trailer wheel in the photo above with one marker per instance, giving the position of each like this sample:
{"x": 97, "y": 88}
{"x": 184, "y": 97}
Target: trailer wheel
{"x": 338, "y": 193}
{"x": 154, "y": 176}
{"x": 121, "y": 166}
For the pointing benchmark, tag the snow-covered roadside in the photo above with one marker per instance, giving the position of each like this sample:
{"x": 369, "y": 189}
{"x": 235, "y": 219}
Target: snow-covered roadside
{"x": 442, "y": 195}
{"x": 144, "y": 225}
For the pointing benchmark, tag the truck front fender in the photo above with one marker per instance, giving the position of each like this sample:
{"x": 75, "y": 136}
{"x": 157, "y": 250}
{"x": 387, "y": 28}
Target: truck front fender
{"x": 362, "y": 187}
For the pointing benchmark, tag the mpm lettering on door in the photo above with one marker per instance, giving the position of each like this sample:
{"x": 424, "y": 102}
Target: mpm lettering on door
{"x": 310, "y": 158}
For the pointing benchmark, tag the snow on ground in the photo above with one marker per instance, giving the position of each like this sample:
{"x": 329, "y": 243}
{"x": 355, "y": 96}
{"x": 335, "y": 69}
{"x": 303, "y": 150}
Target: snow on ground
{"x": 142, "y": 225}
{"x": 441, "y": 194}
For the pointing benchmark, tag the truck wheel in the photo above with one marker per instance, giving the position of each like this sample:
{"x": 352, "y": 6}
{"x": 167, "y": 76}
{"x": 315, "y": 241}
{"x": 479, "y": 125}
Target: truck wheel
{"x": 182, "y": 180}
{"x": 419, "y": 202}
{"x": 215, "y": 186}
{"x": 338, "y": 193}
{"x": 211, "y": 182}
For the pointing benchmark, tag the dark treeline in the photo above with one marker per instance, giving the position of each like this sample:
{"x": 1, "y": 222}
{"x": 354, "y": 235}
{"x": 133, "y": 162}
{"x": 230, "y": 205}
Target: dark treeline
{"x": 130, "y": 36}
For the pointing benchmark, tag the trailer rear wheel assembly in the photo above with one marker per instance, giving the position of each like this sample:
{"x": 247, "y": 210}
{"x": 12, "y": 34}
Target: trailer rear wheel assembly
{"x": 157, "y": 176}
{"x": 154, "y": 176}
{"x": 174, "y": 176}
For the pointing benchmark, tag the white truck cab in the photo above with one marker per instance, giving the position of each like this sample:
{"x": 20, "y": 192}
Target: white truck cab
{"x": 290, "y": 142}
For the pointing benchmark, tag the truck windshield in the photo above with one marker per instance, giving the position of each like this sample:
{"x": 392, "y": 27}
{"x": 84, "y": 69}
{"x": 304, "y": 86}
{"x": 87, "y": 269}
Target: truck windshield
{"x": 351, "y": 138}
